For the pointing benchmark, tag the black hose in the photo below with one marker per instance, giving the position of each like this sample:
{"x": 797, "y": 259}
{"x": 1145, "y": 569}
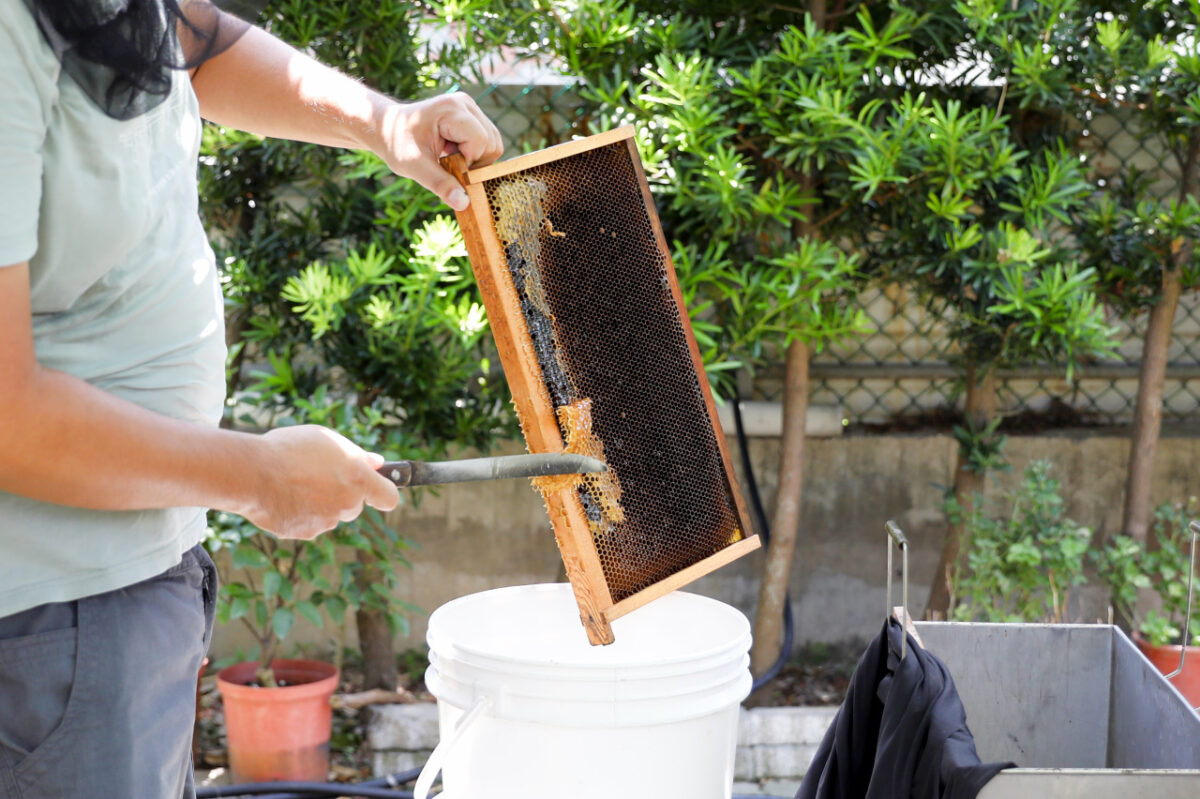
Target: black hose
{"x": 386, "y": 787}
{"x": 334, "y": 789}
{"x": 764, "y": 530}
{"x": 303, "y": 790}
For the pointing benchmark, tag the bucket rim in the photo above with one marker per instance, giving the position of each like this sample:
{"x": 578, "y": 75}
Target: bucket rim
{"x": 592, "y": 672}
{"x": 739, "y": 619}
{"x": 231, "y": 681}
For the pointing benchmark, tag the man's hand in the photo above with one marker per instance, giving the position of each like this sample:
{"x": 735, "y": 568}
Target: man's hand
{"x": 415, "y": 135}
{"x": 313, "y": 479}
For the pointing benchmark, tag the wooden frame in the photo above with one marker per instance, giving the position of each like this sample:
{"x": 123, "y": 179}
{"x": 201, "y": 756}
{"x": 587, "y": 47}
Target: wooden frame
{"x": 539, "y": 422}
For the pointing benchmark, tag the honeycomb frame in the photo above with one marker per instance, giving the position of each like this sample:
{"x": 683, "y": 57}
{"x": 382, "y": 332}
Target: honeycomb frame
{"x": 537, "y": 246}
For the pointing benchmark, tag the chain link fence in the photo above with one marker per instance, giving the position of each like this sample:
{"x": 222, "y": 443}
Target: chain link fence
{"x": 901, "y": 375}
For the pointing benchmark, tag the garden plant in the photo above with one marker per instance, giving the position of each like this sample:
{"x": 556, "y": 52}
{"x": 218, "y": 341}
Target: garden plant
{"x": 1025, "y": 556}
{"x": 1160, "y": 566}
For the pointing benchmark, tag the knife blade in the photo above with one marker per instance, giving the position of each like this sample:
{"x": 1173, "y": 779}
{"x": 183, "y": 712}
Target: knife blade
{"x": 503, "y": 467}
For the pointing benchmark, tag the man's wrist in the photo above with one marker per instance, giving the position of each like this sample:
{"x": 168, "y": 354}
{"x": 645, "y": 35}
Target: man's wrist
{"x": 375, "y": 133}
{"x": 248, "y": 482}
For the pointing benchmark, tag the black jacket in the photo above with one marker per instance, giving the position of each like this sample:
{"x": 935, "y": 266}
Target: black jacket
{"x": 900, "y": 733}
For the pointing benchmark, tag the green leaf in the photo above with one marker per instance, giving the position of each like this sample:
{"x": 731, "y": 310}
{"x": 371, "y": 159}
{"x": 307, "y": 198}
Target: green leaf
{"x": 271, "y": 583}
{"x": 281, "y": 622}
{"x": 247, "y": 556}
{"x": 239, "y": 606}
{"x": 336, "y": 607}
{"x": 309, "y": 611}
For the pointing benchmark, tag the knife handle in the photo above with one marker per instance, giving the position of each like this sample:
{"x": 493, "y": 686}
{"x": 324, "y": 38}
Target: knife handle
{"x": 399, "y": 472}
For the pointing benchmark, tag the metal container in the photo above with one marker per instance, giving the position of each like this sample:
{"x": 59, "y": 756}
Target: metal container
{"x": 1077, "y": 707}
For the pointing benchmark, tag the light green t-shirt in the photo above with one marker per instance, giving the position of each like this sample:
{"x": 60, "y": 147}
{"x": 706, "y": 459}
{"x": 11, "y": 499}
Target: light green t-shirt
{"x": 124, "y": 294}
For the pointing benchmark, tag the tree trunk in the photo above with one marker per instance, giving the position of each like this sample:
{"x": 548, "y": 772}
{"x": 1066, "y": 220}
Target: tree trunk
{"x": 1147, "y": 420}
{"x": 374, "y": 634}
{"x": 819, "y": 11}
{"x": 981, "y": 410}
{"x": 768, "y": 619}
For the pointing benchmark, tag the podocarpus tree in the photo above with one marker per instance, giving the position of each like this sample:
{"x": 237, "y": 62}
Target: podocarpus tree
{"x": 970, "y": 228}
{"x": 348, "y": 285}
{"x": 1140, "y": 61}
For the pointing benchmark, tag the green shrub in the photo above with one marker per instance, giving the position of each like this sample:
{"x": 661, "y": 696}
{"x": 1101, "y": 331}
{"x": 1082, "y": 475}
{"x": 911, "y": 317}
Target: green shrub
{"x": 1023, "y": 562}
{"x": 1126, "y": 565}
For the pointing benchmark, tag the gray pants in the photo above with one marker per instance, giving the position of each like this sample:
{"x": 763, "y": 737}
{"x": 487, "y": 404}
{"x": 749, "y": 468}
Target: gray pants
{"x": 97, "y": 696}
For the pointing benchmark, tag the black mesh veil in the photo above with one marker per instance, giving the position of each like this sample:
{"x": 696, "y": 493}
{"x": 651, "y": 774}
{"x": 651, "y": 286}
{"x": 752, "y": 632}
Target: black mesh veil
{"x": 122, "y": 52}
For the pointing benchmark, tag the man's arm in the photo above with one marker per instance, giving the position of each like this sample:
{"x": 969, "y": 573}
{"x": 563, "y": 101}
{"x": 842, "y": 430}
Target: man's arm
{"x": 264, "y": 86}
{"x": 65, "y": 441}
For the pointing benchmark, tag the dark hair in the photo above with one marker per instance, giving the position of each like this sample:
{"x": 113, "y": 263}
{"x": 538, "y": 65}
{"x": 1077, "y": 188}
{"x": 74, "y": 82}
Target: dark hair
{"x": 122, "y": 52}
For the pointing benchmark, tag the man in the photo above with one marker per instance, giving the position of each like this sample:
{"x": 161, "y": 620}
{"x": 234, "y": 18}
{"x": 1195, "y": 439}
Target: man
{"x": 112, "y": 369}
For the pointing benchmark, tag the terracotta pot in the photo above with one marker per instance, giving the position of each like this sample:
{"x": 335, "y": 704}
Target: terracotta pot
{"x": 1166, "y": 660}
{"x": 279, "y": 733}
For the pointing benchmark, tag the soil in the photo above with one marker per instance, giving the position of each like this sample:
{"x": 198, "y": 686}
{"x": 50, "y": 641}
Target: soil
{"x": 1056, "y": 416}
{"x": 819, "y": 674}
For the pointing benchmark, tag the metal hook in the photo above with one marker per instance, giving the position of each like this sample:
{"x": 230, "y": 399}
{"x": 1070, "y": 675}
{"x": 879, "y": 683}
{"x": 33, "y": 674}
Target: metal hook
{"x": 897, "y": 537}
{"x": 1194, "y": 526}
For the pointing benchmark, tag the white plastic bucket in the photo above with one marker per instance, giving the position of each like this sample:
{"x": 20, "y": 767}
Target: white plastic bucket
{"x": 529, "y": 710}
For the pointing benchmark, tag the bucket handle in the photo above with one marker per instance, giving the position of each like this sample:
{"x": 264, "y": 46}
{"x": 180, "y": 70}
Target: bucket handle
{"x": 433, "y": 766}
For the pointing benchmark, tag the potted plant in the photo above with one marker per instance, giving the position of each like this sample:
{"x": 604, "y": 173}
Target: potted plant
{"x": 1024, "y": 562}
{"x": 1129, "y": 568}
{"x": 263, "y": 690}
{"x": 277, "y": 710}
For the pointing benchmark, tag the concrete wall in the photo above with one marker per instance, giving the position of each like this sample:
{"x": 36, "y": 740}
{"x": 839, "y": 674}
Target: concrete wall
{"x": 474, "y": 537}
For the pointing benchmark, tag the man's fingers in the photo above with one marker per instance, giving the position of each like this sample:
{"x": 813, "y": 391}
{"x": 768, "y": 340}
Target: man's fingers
{"x": 471, "y": 131}
{"x": 382, "y": 493}
{"x": 430, "y": 174}
{"x": 495, "y": 143}
{"x": 436, "y": 127}
{"x": 473, "y": 134}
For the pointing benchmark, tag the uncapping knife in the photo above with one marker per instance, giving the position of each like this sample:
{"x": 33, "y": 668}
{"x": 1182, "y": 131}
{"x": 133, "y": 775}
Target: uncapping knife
{"x": 422, "y": 473}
